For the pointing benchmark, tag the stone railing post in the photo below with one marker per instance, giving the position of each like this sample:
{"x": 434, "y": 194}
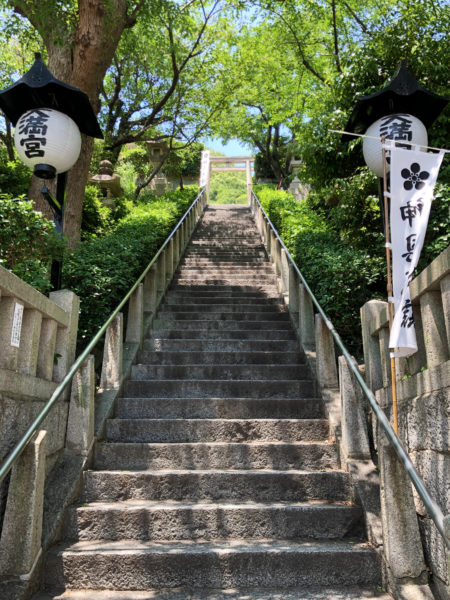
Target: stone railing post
{"x": 371, "y": 346}
{"x": 293, "y": 286}
{"x": 20, "y": 543}
{"x": 80, "y": 424}
{"x": 445, "y": 293}
{"x": 434, "y": 329}
{"x": 169, "y": 262}
{"x": 402, "y": 545}
{"x": 325, "y": 356}
{"x": 11, "y": 312}
{"x": 284, "y": 268}
{"x": 355, "y": 440}
{"x": 29, "y": 350}
{"x": 151, "y": 290}
{"x": 135, "y": 321}
{"x": 66, "y": 338}
{"x": 306, "y": 319}
{"x": 113, "y": 355}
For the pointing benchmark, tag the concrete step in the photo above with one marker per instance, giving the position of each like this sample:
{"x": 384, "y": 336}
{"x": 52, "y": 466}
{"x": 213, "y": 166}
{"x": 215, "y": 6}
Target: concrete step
{"x": 229, "y": 372}
{"x": 211, "y": 430}
{"x": 262, "y": 289}
{"x": 220, "y": 408}
{"x": 216, "y": 271}
{"x": 309, "y": 593}
{"x": 235, "y": 346}
{"x": 150, "y": 520}
{"x": 217, "y": 316}
{"x": 227, "y": 301}
{"x": 211, "y": 296}
{"x": 223, "y": 306}
{"x": 213, "y": 278}
{"x": 140, "y": 565}
{"x": 218, "y": 388}
{"x": 308, "y": 456}
{"x": 232, "y": 323}
{"x": 220, "y": 358}
{"x": 193, "y": 261}
{"x": 266, "y": 334}
{"x": 258, "y": 486}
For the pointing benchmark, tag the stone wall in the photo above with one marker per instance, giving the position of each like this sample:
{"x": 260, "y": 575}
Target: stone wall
{"x": 423, "y": 391}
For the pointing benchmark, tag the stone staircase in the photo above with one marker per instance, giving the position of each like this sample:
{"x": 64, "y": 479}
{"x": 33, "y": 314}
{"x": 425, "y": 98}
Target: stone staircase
{"x": 217, "y": 479}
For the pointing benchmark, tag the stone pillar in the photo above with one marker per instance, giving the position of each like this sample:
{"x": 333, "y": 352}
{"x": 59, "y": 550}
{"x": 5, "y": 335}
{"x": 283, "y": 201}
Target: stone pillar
{"x": 135, "y": 321}
{"x": 355, "y": 440}
{"x": 113, "y": 355}
{"x": 325, "y": 356}
{"x": 383, "y": 340}
{"x": 293, "y": 295}
{"x": 176, "y": 249}
{"x": 169, "y": 261}
{"x": 20, "y": 543}
{"x": 372, "y": 358}
{"x": 434, "y": 329}
{"x": 47, "y": 349}
{"x": 66, "y": 338}
{"x": 80, "y": 424}
{"x": 151, "y": 289}
{"x": 306, "y": 319}
{"x": 402, "y": 544}
{"x": 29, "y": 343}
{"x": 161, "y": 286}
{"x": 9, "y": 307}
{"x": 445, "y": 293}
{"x": 284, "y": 267}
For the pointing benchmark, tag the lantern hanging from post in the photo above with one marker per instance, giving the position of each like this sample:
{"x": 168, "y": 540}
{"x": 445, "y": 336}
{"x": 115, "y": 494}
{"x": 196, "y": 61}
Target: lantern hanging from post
{"x": 399, "y": 127}
{"x": 48, "y": 141}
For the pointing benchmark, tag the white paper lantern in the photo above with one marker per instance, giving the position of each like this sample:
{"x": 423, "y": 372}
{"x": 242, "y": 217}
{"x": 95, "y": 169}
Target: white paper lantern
{"x": 47, "y": 136}
{"x": 401, "y": 127}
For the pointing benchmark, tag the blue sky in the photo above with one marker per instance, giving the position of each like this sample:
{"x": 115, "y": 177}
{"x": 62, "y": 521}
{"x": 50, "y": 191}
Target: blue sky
{"x": 231, "y": 148}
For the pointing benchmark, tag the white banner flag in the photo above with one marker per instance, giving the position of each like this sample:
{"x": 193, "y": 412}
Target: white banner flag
{"x": 413, "y": 175}
{"x": 204, "y": 168}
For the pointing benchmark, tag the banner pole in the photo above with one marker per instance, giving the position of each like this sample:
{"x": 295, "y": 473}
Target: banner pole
{"x": 389, "y": 286}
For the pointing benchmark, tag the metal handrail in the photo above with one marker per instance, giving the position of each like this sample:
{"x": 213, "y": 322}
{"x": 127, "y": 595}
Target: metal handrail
{"x": 433, "y": 508}
{"x": 21, "y": 445}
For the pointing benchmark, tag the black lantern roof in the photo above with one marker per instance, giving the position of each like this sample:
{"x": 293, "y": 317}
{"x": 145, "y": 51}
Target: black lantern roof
{"x": 39, "y": 89}
{"x": 403, "y": 94}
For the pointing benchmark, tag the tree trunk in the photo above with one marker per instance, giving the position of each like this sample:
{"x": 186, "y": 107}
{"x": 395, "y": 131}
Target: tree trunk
{"x": 81, "y": 59}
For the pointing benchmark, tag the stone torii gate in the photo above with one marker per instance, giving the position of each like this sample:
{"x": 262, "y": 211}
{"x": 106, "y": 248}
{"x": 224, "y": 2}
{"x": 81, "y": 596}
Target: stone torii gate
{"x": 221, "y": 164}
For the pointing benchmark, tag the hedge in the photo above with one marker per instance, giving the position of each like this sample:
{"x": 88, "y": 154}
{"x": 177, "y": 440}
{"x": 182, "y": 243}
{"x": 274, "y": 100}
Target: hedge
{"x": 101, "y": 270}
{"x": 341, "y": 277}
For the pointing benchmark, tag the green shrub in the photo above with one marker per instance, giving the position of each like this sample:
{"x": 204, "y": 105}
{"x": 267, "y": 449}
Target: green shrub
{"x": 341, "y": 276}
{"x": 96, "y": 218}
{"x": 28, "y": 241}
{"x": 101, "y": 270}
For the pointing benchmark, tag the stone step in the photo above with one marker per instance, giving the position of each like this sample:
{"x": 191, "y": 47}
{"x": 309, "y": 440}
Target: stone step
{"x": 215, "y": 271}
{"x": 273, "y": 316}
{"x": 224, "y": 372}
{"x": 212, "y": 296}
{"x": 150, "y": 520}
{"x": 161, "y": 344}
{"x": 235, "y": 289}
{"x": 263, "y": 335}
{"x": 259, "y": 485}
{"x": 224, "y": 262}
{"x": 211, "y": 430}
{"x": 202, "y": 326}
{"x": 304, "y": 593}
{"x": 143, "y": 565}
{"x": 220, "y": 358}
{"x": 220, "y": 408}
{"x": 223, "y": 305}
{"x": 213, "y": 278}
{"x": 308, "y": 456}
{"x": 218, "y": 388}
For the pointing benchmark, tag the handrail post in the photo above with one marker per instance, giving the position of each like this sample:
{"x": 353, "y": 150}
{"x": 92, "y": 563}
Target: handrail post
{"x": 151, "y": 290}
{"x": 135, "y": 321}
{"x": 306, "y": 319}
{"x": 113, "y": 355}
{"x": 20, "y": 543}
{"x": 355, "y": 441}
{"x": 80, "y": 424}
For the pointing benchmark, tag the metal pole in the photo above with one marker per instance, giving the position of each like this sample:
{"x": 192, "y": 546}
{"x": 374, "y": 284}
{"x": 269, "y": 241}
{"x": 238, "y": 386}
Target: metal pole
{"x": 389, "y": 286}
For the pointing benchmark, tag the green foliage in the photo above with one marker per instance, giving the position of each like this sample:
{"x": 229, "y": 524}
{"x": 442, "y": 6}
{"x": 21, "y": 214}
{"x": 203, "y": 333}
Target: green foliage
{"x": 342, "y": 277}
{"x": 98, "y": 219}
{"x": 101, "y": 270}
{"x": 14, "y": 175}
{"x": 437, "y": 237}
{"x": 28, "y": 242}
{"x": 228, "y": 188}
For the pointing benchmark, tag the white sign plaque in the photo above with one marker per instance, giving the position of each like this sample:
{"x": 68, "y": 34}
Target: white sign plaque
{"x": 17, "y": 325}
